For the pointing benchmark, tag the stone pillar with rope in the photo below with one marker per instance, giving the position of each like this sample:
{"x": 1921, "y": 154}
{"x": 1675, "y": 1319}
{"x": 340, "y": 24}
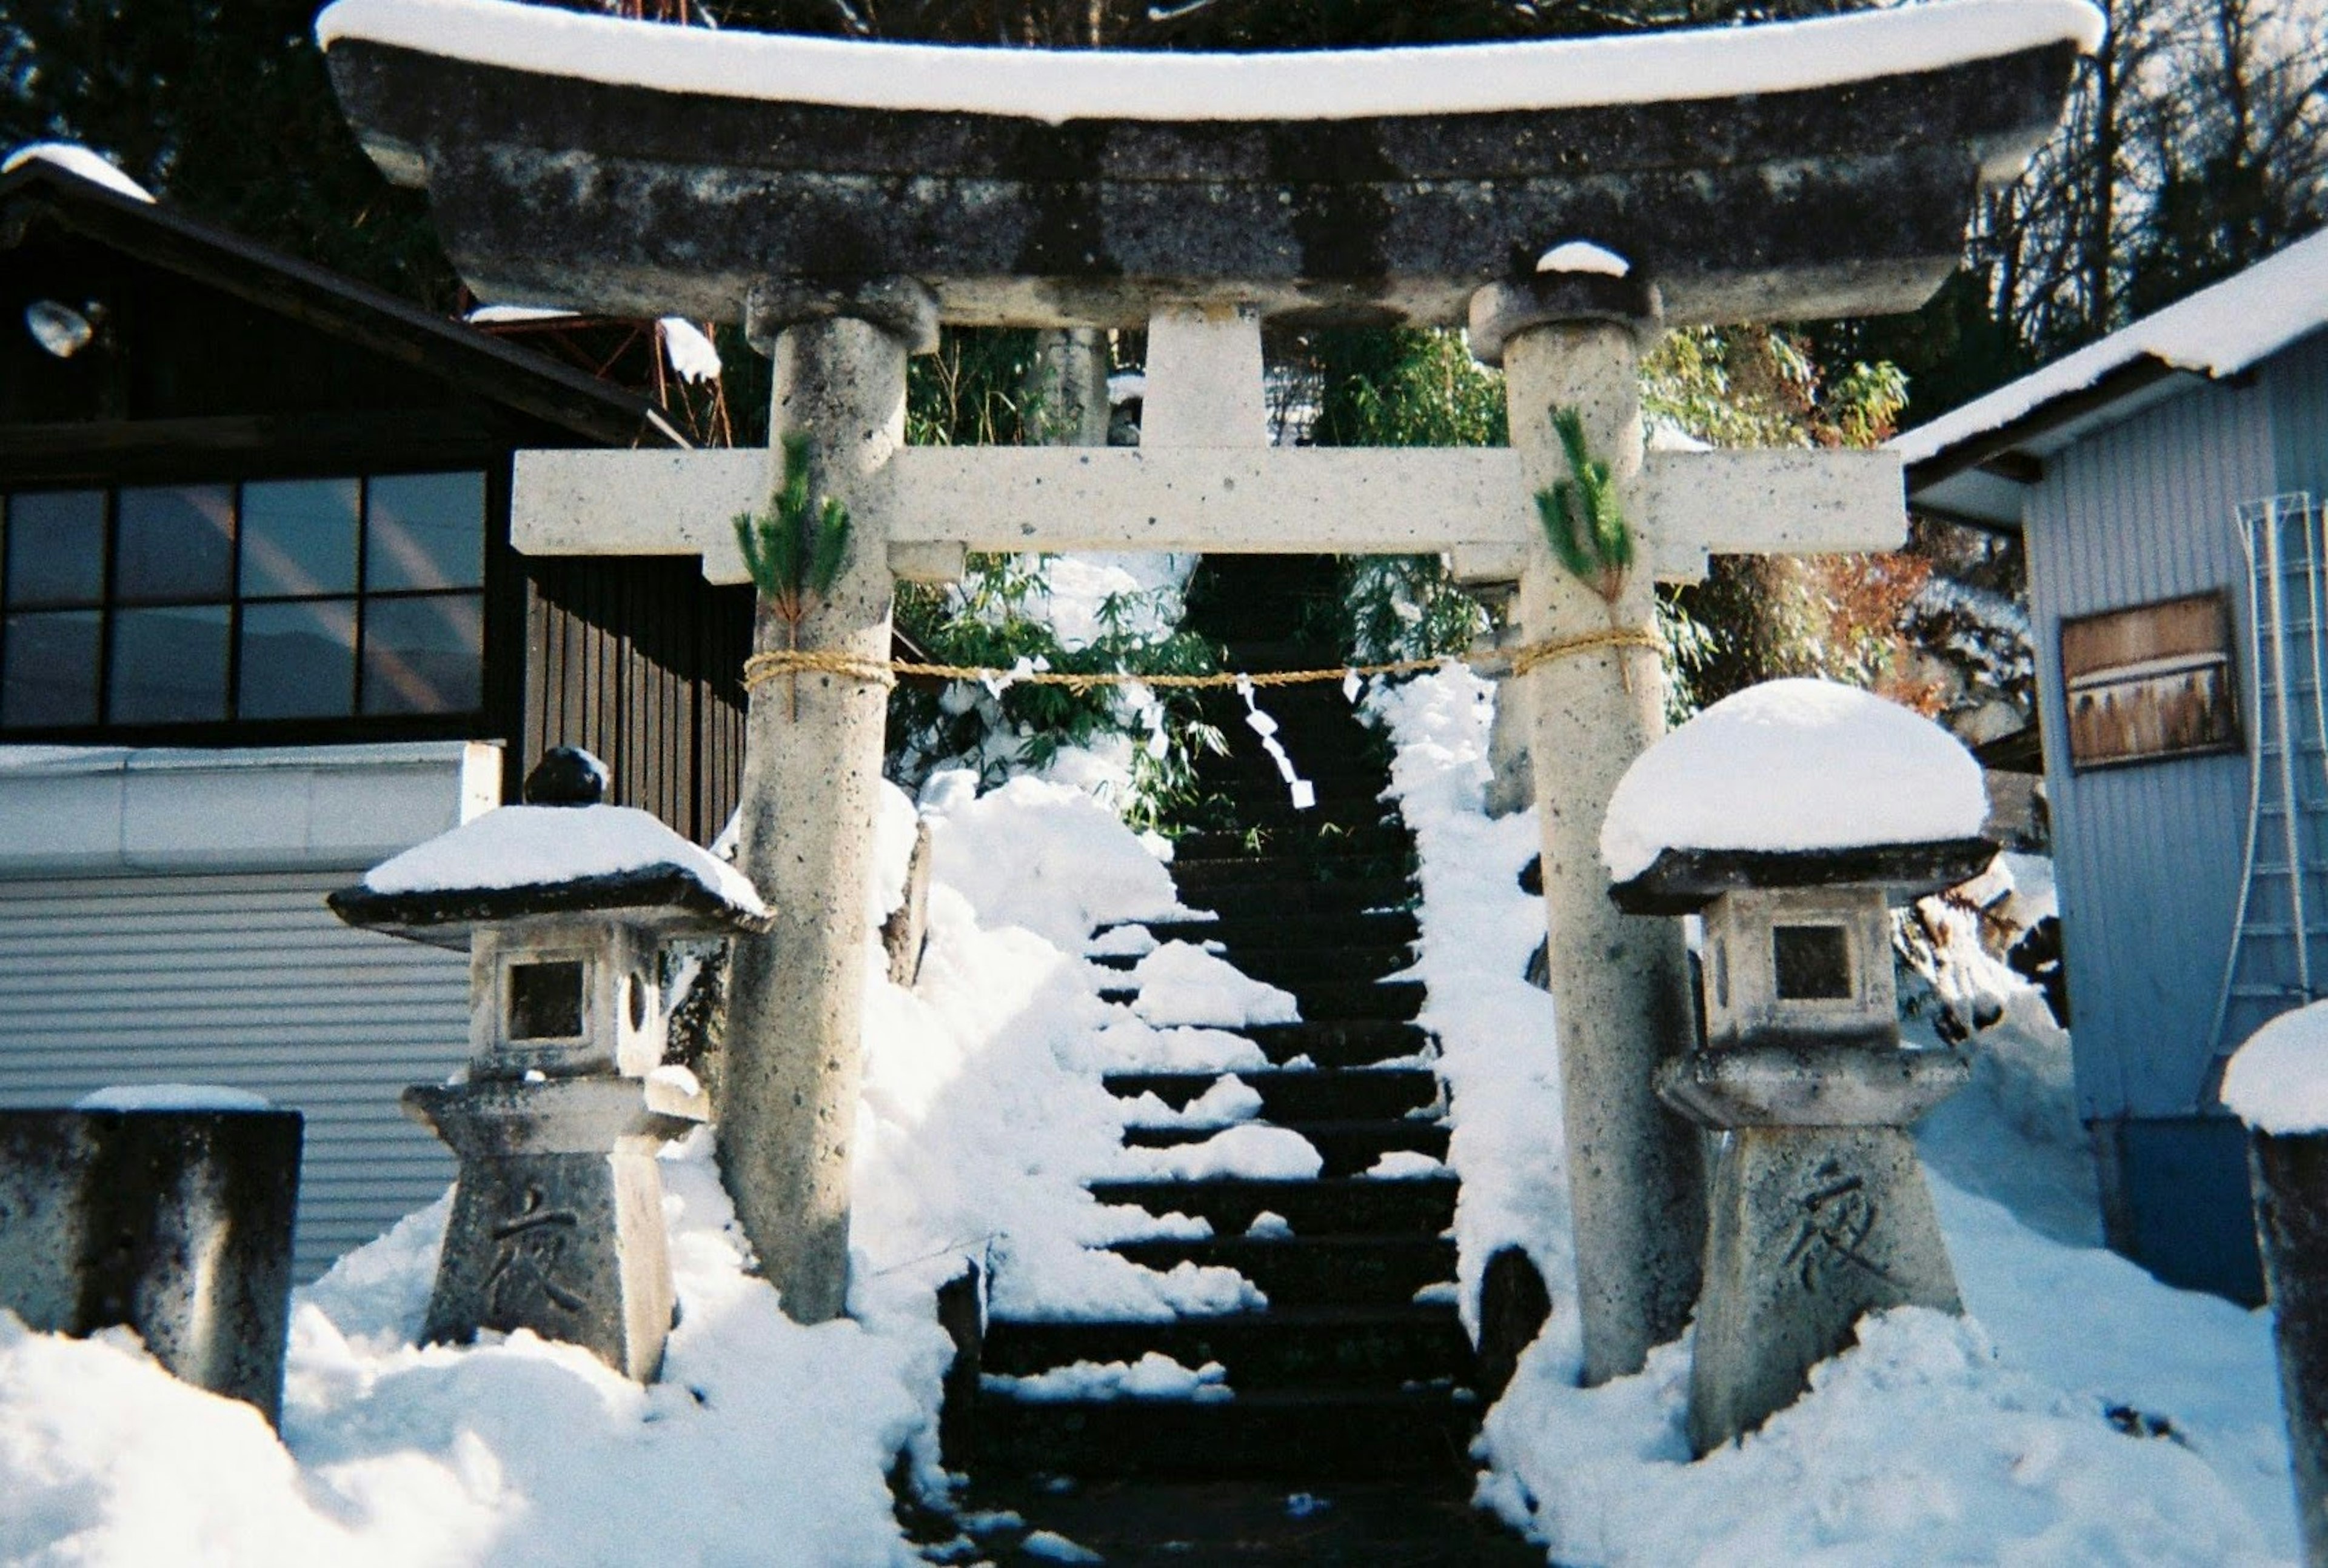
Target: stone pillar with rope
{"x": 811, "y": 793}
{"x": 1593, "y": 693}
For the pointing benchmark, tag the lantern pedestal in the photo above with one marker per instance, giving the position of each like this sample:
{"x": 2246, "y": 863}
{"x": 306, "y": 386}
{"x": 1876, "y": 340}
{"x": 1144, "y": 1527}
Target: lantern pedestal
{"x": 1811, "y": 1226}
{"x": 556, "y": 1221}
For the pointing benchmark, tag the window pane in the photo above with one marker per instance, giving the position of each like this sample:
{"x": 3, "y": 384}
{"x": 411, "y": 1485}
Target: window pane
{"x": 48, "y": 669}
{"x": 56, "y": 547}
{"x": 299, "y": 661}
{"x": 423, "y": 655}
{"x": 169, "y": 666}
{"x": 177, "y": 542}
{"x": 1813, "y": 962}
{"x": 299, "y": 537}
{"x": 426, "y": 530}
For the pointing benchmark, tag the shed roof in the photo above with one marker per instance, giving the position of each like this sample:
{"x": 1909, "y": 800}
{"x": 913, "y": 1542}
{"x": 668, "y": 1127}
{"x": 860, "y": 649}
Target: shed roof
{"x": 1974, "y": 463}
{"x": 271, "y": 280}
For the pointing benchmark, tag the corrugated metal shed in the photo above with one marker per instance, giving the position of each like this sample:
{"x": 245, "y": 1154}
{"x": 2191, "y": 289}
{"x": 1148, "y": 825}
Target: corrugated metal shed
{"x": 244, "y": 979}
{"x": 2148, "y": 857}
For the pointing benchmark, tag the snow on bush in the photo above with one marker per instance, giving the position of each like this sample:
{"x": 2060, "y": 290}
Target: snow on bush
{"x": 1044, "y": 856}
{"x": 1793, "y": 765}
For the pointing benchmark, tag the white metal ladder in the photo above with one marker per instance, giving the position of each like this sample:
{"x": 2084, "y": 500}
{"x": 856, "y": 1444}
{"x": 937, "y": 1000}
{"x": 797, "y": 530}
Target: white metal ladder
{"x": 2284, "y": 894}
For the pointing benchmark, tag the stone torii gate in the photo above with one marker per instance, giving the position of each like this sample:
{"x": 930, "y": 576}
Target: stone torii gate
{"x": 846, "y": 198}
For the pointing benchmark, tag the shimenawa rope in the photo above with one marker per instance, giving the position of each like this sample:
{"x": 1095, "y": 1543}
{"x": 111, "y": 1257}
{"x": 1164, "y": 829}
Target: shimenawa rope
{"x": 781, "y": 661}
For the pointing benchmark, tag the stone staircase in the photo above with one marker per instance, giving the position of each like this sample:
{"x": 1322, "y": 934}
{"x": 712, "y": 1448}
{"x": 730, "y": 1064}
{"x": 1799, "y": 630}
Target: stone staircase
{"x": 1355, "y": 1392}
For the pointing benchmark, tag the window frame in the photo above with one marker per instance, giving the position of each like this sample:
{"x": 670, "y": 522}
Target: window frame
{"x": 499, "y": 579}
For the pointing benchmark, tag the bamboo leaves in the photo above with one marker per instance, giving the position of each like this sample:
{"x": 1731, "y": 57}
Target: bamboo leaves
{"x": 1581, "y": 519}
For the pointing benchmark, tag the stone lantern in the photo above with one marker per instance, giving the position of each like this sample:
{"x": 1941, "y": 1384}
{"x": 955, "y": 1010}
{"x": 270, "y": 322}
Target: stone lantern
{"x": 564, "y": 905}
{"x": 1789, "y": 822}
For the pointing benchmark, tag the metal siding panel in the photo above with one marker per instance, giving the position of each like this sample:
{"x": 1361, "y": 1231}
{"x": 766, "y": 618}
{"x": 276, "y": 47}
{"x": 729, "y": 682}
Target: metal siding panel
{"x": 2296, "y": 381}
{"x": 2148, "y": 857}
{"x": 245, "y": 981}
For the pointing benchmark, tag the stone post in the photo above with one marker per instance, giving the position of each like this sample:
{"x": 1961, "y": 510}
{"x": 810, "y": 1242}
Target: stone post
{"x": 2290, "y": 1176}
{"x": 811, "y": 793}
{"x": 1620, "y": 982}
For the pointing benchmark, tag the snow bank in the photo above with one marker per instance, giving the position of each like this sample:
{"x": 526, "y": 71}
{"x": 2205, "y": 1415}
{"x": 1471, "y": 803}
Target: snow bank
{"x": 2278, "y": 1082}
{"x": 1044, "y": 856}
{"x": 171, "y": 1097}
{"x": 1060, "y": 85}
{"x": 524, "y": 846}
{"x": 515, "y": 1451}
{"x": 75, "y": 159}
{"x": 1793, "y": 765}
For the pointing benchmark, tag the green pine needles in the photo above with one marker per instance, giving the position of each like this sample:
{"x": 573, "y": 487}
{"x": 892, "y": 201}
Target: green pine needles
{"x": 796, "y": 548}
{"x": 1581, "y": 519}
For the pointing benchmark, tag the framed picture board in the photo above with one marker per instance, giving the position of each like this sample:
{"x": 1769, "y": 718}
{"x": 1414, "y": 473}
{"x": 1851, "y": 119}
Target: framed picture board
{"x": 2151, "y": 682}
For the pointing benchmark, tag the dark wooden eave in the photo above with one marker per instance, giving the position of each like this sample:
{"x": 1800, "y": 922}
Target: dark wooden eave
{"x": 38, "y": 192}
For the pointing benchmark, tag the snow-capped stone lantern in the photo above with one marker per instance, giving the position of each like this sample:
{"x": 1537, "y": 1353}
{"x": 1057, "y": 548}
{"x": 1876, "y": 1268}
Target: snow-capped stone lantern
{"x": 565, "y": 904}
{"x": 1789, "y": 816}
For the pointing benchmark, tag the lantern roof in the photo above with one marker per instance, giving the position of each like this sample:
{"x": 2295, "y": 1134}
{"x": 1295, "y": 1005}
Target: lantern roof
{"x": 1795, "y": 784}
{"x": 565, "y": 852}
{"x": 1784, "y": 170}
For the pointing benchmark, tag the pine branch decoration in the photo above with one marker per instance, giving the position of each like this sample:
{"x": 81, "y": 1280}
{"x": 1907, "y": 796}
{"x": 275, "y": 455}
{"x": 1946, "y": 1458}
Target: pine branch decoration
{"x": 796, "y": 549}
{"x": 1582, "y": 520}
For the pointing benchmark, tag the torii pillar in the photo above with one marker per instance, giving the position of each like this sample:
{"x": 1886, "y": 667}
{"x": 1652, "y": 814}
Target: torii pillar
{"x": 1619, "y": 982}
{"x": 811, "y": 797}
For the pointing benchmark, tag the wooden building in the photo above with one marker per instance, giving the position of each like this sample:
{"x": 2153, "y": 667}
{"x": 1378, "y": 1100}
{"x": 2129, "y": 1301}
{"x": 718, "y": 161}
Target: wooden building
{"x": 2168, "y": 482}
{"x": 260, "y": 626}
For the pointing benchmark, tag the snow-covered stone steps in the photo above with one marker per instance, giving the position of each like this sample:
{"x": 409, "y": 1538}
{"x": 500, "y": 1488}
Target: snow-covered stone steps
{"x": 1304, "y": 831}
{"x": 1295, "y": 960}
{"x": 1323, "y": 883}
{"x": 1382, "y": 1346}
{"x": 1339, "y": 1042}
{"x": 1244, "y": 931}
{"x": 1299, "y": 1271}
{"x": 1348, "y": 1148}
{"x": 1298, "y": 1095}
{"x": 1353, "y": 1206}
{"x": 1304, "y": 1434}
{"x": 1392, "y": 1002}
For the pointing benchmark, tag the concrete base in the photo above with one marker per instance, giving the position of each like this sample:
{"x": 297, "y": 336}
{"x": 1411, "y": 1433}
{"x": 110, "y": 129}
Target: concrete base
{"x": 556, "y": 1221}
{"x": 2291, "y": 1199}
{"x": 1812, "y": 1228}
{"x": 176, "y": 1224}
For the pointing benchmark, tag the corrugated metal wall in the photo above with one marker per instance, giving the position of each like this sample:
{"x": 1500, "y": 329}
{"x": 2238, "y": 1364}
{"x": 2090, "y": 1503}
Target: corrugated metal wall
{"x": 2296, "y": 382}
{"x": 2149, "y": 857}
{"x": 640, "y": 660}
{"x": 245, "y": 980}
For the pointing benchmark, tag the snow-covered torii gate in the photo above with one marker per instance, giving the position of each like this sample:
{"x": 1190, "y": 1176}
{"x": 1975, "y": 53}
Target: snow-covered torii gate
{"x": 844, "y": 198}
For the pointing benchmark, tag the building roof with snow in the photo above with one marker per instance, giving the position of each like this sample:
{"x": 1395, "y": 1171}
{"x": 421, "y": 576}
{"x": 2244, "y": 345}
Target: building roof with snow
{"x": 1974, "y": 463}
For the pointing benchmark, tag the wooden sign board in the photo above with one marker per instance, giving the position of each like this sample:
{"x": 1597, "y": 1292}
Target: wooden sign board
{"x": 2151, "y": 682}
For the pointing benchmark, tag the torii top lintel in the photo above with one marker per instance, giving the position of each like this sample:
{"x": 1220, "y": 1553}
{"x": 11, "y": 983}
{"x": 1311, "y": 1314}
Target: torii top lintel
{"x": 1781, "y": 171}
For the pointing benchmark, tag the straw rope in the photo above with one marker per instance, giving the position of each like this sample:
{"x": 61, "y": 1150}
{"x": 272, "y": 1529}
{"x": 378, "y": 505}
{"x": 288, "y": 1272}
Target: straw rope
{"x": 761, "y": 668}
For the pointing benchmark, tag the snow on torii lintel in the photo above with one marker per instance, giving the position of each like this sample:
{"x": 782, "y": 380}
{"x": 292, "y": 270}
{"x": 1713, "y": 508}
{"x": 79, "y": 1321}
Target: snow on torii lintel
{"x": 1061, "y": 85}
{"x": 1794, "y": 765}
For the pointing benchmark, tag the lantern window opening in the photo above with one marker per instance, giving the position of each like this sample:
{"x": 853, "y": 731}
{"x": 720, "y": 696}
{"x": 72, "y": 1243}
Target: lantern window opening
{"x": 545, "y": 998}
{"x": 1812, "y": 964}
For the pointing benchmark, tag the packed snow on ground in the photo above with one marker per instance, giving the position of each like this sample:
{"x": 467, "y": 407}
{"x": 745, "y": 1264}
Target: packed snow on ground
{"x": 1794, "y": 765}
{"x": 2003, "y": 1437}
{"x": 171, "y": 1097}
{"x": 75, "y": 159}
{"x": 1154, "y": 1375}
{"x": 982, "y": 1116}
{"x": 1182, "y": 984}
{"x": 1058, "y": 85}
{"x": 2278, "y": 1082}
{"x": 534, "y": 846}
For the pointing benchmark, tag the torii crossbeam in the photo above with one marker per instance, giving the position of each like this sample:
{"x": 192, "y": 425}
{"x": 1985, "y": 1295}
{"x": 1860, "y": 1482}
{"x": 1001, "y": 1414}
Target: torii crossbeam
{"x": 842, "y": 198}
